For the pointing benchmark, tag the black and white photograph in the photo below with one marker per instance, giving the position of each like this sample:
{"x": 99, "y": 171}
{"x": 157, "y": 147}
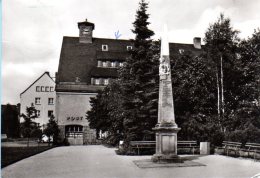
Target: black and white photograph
{"x": 130, "y": 89}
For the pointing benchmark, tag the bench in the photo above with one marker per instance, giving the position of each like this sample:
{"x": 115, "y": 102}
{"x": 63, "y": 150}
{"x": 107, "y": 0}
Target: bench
{"x": 231, "y": 146}
{"x": 152, "y": 144}
{"x": 188, "y": 144}
{"x": 142, "y": 144}
{"x": 252, "y": 148}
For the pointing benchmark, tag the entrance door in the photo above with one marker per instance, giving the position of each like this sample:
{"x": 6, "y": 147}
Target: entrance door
{"x": 74, "y": 134}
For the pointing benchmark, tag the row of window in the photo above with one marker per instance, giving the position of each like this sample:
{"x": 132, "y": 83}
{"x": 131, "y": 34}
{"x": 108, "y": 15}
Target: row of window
{"x": 38, "y": 113}
{"x": 112, "y": 64}
{"x": 38, "y": 101}
{"x": 105, "y": 47}
{"x": 100, "y": 81}
{"x": 44, "y": 89}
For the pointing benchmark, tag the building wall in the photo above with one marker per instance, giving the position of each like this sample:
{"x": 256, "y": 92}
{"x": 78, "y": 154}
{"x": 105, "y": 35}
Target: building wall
{"x": 71, "y": 109}
{"x": 28, "y": 98}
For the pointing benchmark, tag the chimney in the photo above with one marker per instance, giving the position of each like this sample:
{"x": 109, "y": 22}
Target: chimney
{"x": 197, "y": 42}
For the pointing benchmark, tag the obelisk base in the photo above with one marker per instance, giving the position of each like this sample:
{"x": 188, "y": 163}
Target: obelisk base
{"x": 166, "y": 144}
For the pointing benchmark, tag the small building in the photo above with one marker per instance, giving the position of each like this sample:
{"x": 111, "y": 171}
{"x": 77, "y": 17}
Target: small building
{"x": 41, "y": 94}
{"x": 87, "y": 64}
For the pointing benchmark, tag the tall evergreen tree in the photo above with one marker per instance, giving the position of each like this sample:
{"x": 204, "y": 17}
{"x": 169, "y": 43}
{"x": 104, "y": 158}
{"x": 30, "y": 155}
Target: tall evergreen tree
{"x": 138, "y": 78}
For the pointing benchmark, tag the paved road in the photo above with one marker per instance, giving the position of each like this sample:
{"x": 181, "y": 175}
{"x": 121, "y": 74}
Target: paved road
{"x": 102, "y": 162}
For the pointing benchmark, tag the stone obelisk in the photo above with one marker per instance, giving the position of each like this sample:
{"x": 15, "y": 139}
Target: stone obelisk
{"x": 166, "y": 128}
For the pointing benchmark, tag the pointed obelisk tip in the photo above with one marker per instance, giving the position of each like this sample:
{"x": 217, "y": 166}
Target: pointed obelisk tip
{"x": 164, "y": 42}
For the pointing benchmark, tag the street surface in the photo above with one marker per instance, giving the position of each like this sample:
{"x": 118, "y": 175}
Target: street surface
{"x": 98, "y": 161}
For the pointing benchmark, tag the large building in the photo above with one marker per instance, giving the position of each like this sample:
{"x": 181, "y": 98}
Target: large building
{"x": 40, "y": 94}
{"x": 86, "y": 65}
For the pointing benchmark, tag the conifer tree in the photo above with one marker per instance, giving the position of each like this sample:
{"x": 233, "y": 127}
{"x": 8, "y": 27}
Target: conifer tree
{"x": 138, "y": 77}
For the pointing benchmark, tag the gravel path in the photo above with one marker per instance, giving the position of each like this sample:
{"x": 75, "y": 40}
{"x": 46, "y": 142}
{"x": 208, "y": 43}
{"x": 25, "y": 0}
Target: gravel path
{"x": 101, "y": 162}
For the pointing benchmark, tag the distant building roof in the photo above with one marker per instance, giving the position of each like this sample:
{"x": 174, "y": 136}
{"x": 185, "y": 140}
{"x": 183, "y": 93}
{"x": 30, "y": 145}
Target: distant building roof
{"x": 79, "y": 60}
{"x": 36, "y": 81}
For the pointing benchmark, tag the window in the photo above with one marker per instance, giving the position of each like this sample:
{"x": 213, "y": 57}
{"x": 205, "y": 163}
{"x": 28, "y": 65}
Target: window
{"x": 104, "y": 47}
{"x": 50, "y": 113}
{"x": 181, "y": 51}
{"x": 113, "y": 64}
{"x": 104, "y": 64}
{"x": 38, "y": 113}
{"x": 99, "y": 63}
{"x": 108, "y": 64}
{"x": 37, "y": 101}
{"x": 38, "y": 89}
{"x": 97, "y": 81}
{"x": 51, "y": 89}
{"x": 121, "y": 64}
{"x": 50, "y": 101}
{"x": 42, "y": 88}
{"x": 129, "y": 48}
{"x": 106, "y": 81}
{"x": 47, "y": 89}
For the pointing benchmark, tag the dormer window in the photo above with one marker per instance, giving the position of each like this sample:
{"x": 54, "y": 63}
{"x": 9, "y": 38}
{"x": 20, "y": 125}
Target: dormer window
{"x": 104, "y": 47}
{"x": 113, "y": 64}
{"x": 181, "y": 51}
{"x": 129, "y": 48}
{"x": 99, "y": 63}
{"x": 106, "y": 81}
{"x": 104, "y": 64}
{"x": 97, "y": 81}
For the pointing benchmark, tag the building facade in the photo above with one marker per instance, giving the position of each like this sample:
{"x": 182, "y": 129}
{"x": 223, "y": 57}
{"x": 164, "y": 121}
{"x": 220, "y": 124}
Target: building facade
{"x": 40, "y": 94}
{"x": 86, "y": 65}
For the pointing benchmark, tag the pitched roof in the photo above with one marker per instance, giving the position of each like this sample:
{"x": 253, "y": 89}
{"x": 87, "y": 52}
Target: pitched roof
{"x": 37, "y": 80}
{"x": 104, "y": 72}
{"x": 79, "y": 60}
{"x": 112, "y": 56}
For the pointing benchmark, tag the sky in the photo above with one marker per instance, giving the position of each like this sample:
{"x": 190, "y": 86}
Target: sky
{"x": 32, "y": 30}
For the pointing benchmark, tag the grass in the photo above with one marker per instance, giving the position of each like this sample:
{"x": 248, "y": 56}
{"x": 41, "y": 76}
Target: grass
{"x": 10, "y": 155}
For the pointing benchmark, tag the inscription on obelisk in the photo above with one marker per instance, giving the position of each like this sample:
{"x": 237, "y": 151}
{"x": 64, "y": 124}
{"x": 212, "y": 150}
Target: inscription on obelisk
{"x": 166, "y": 128}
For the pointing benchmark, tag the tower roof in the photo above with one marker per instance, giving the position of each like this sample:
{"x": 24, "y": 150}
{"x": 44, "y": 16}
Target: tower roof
{"x": 86, "y": 23}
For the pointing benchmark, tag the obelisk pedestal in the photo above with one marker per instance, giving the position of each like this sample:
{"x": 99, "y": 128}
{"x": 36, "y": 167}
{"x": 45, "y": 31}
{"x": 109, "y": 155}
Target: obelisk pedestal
{"x": 166, "y": 128}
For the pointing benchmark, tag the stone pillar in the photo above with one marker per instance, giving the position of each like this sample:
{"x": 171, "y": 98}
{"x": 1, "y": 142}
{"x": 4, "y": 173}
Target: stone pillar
{"x": 166, "y": 128}
{"x": 204, "y": 148}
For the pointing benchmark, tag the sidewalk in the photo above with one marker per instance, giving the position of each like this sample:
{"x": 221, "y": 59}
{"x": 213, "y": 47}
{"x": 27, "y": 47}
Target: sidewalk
{"x": 101, "y": 162}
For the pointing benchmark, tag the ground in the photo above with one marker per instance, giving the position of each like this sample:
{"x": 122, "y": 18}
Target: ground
{"x": 102, "y": 162}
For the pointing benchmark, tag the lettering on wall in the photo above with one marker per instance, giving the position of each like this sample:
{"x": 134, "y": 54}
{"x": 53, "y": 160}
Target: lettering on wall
{"x": 71, "y": 118}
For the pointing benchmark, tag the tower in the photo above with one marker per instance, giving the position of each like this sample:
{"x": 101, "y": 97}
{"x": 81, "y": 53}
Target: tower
{"x": 85, "y": 31}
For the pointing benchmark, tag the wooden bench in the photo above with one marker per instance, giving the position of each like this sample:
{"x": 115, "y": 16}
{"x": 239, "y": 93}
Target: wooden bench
{"x": 192, "y": 145}
{"x": 231, "y": 146}
{"x": 252, "y": 148}
{"x": 152, "y": 144}
{"x": 142, "y": 144}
